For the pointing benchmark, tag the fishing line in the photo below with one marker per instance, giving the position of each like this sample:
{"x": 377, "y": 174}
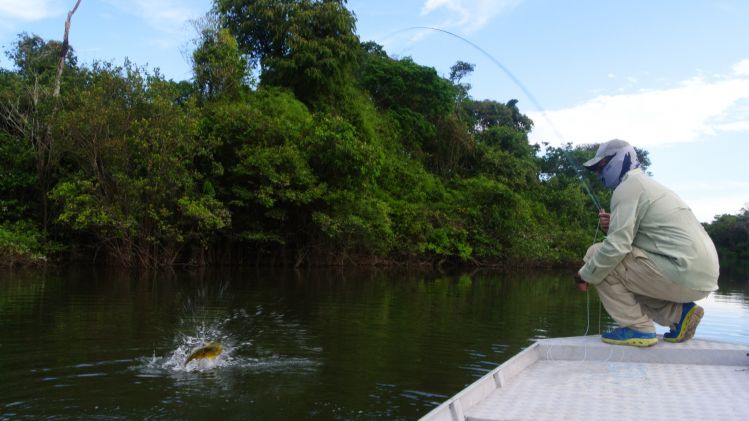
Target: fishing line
{"x": 587, "y": 294}
{"x": 595, "y": 239}
{"x": 527, "y": 93}
{"x": 567, "y": 155}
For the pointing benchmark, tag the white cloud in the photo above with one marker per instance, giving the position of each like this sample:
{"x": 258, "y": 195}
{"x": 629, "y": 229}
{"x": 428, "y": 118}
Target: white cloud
{"x": 29, "y": 10}
{"x": 169, "y": 17}
{"x": 703, "y": 187}
{"x": 736, "y": 126}
{"x": 699, "y": 109}
{"x": 741, "y": 68}
{"x": 166, "y": 14}
{"x": 468, "y": 15}
{"x": 695, "y": 108}
{"x": 706, "y": 208}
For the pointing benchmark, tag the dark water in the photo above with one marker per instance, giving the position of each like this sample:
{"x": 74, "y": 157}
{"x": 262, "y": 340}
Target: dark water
{"x": 299, "y": 345}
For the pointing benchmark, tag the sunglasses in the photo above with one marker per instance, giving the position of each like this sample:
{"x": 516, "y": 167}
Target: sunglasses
{"x": 602, "y": 164}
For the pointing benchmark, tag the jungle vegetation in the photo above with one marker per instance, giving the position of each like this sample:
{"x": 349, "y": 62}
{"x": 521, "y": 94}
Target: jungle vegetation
{"x": 294, "y": 143}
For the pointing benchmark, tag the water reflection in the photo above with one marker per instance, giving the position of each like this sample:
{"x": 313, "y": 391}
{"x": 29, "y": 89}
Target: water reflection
{"x": 726, "y": 318}
{"x": 299, "y": 345}
{"x": 727, "y": 310}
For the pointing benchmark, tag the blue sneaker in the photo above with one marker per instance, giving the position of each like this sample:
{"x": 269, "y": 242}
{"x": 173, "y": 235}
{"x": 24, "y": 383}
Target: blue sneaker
{"x": 691, "y": 314}
{"x": 627, "y": 336}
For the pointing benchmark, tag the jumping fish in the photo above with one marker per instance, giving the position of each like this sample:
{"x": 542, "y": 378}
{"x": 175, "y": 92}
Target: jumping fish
{"x": 209, "y": 350}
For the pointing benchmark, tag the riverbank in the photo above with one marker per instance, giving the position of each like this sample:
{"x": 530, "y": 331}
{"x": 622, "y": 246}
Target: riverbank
{"x": 21, "y": 245}
{"x": 20, "y": 255}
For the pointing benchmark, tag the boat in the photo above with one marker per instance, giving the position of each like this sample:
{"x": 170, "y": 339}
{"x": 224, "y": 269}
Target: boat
{"x": 582, "y": 378}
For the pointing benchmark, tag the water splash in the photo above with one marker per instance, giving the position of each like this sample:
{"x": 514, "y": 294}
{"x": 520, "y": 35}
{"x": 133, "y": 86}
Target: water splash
{"x": 257, "y": 339}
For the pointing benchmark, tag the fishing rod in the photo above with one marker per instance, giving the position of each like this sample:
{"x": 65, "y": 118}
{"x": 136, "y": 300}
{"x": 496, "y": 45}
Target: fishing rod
{"x": 530, "y": 96}
{"x": 566, "y": 152}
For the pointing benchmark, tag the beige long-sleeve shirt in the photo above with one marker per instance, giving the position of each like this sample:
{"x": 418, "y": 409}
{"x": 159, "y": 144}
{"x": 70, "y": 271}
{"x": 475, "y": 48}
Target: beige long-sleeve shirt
{"x": 651, "y": 217}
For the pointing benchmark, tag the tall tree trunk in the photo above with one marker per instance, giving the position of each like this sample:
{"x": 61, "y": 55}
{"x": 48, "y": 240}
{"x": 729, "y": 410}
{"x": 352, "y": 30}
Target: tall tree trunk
{"x": 64, "y": 50}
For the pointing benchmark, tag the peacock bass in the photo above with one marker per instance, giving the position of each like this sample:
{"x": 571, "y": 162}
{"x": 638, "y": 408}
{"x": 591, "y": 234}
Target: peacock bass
{"x": 206, "y": 351}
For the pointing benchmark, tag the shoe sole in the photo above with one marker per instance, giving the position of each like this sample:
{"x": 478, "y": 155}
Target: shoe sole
{"x": 639, "y": 342}
{"x": 689, "y": 326}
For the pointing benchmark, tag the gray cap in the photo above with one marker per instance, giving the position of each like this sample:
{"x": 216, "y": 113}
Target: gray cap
{"x": 612, "y": 147}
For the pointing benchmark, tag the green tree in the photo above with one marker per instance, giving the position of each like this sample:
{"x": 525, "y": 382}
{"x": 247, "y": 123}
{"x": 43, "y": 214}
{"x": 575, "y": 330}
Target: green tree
{"x": 308, "y": 46}
{"x": 21, "y": 243}
{"x": 265, "y": 176}
{"x": 395, "y": 84}
{"x": 422, "y": 105}
{"x": 458, "y": 72}
{"x": 134, "y": 186}
{"x": 297, "y": 182}
{"x": 487, "y": 113}
{"x": 730, "y": 233}
{"x": 27, "y": 105}
{"x": 502, "y": 222}
{"x": 339, "y": 154}
{"x": 17, "y": 179}
{"x": 220, "y": 69}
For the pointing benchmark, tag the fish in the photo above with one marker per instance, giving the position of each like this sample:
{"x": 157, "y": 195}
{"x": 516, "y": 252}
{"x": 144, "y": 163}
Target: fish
{"x": 208, "y": 350}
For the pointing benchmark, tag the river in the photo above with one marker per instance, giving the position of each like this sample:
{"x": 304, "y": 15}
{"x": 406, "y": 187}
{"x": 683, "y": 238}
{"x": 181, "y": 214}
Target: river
{"x": 313, "y": 344}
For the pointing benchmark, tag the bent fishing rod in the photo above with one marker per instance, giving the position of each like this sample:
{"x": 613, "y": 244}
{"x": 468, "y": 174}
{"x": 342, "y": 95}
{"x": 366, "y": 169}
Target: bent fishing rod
{"x": 530, "y": 96}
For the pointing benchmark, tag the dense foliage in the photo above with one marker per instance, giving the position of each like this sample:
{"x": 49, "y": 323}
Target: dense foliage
{"x": 730, "y": 233}
{"x": 334, "y": 153}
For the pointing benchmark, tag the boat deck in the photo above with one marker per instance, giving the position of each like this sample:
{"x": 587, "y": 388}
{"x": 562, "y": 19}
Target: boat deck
{"x": 583, "y": 378}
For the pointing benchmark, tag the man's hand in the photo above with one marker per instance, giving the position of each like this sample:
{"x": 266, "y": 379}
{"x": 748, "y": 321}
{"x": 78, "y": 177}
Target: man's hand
{"x": 580, "y": 283}
{"x": 603, "y": 220}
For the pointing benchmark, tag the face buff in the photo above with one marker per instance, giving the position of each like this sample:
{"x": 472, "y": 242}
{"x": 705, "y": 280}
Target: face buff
{"x": 624, "y": 160}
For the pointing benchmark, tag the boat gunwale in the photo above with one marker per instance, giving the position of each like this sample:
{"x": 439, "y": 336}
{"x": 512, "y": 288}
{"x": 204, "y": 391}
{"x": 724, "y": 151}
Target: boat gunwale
{"x": 590, "y": 349}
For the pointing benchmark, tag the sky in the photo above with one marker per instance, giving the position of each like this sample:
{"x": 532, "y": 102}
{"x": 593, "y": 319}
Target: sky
{"x": 669, "y": 76}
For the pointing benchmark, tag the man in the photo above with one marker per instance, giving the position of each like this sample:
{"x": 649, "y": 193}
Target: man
{"x": 656, "y": 259}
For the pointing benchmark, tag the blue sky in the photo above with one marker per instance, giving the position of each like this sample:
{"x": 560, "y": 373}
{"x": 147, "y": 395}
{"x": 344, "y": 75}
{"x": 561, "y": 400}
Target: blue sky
{"x": 668, "y": 76}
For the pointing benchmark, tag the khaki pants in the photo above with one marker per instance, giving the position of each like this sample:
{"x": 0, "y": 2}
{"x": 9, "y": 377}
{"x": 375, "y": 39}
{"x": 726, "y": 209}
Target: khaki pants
{"x": 635, "y": 293}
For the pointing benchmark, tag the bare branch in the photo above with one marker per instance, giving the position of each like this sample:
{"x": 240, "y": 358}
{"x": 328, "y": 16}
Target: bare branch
{"x": 64, "y": 50}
